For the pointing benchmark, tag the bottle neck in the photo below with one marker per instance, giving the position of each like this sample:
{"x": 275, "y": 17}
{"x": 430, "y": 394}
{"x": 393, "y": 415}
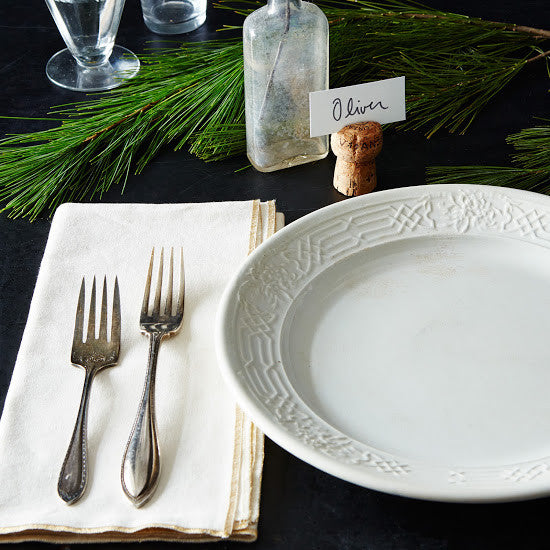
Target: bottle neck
{"x": 281, "y": 6}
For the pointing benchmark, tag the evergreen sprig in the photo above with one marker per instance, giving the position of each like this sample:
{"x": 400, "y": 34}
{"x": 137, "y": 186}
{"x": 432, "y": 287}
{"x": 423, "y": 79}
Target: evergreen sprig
{"x": 531, "y": 170}
{"x": 179, "y": 96}
{"x": 194, "y": 96}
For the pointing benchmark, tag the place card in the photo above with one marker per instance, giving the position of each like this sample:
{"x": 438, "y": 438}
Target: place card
{"x": 382, "y": 101}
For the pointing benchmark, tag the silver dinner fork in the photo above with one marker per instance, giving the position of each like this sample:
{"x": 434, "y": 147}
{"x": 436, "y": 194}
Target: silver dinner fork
{"x": 93, "y": 355}
{"x": 141, "y": 462}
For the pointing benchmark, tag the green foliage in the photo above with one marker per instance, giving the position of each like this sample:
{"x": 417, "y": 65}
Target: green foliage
{"x": 179, "y": 96}
{"x": 531, "y": 170}
{"x": 453, "y": 64}
{"x": 194, "y": 96}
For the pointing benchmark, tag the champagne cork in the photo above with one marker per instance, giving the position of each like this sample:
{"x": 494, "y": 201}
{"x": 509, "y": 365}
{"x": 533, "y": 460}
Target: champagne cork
{"x": 356, "y": 147}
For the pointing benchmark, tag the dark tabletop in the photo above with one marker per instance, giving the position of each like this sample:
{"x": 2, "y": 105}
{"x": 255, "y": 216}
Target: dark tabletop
{"x": 301, "y": 507}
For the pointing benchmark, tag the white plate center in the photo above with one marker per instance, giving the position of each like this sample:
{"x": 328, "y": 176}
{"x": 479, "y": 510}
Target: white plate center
{"x": 435, "y": 349}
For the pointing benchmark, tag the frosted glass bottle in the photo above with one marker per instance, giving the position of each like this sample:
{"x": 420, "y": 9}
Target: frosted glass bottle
{"x": 285, "y": 57}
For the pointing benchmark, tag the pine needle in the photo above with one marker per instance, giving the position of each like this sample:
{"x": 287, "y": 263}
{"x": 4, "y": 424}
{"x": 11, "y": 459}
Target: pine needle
{"x": 531, "y": 160}
{"x": 194, "y": 96}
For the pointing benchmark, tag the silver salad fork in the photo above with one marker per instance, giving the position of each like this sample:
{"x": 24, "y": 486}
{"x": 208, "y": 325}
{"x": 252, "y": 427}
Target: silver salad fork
{"x": 141, "y": 462}
{"x": 93, "y": 355}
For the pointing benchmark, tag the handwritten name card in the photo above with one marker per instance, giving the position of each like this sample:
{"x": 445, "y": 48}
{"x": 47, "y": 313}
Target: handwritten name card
{"x": 382, "y": 101}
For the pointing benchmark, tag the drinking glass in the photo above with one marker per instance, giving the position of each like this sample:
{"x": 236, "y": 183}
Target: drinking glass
{"x": 173, "y": 16}
{"x": 91, "y": 62}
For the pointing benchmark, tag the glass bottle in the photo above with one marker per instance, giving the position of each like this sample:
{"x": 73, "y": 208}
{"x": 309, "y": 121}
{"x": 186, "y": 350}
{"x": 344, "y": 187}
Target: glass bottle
{"x": 285, "y": 57}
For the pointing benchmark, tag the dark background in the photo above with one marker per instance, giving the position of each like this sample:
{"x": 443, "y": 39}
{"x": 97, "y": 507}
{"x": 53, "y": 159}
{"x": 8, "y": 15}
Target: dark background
{"x": 302, "y": 507}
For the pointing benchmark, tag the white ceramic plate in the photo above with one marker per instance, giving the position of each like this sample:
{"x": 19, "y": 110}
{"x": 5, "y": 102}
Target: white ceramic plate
{"x": 401, "y": 341}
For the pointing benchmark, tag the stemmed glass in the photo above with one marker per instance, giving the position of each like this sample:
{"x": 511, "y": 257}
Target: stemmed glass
{"x": 91, "y": 62}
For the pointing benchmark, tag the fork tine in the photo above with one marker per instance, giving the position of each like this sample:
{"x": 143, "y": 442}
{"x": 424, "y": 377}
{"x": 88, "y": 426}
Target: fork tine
{"x": 115, "y": 325}
{"x": 156, "y": 304}
{"x": 145, "y": 306}
{"x": 79, "y": 320}
{"x": 103, "y": 314}
{"x": 182, "y": 285}
{"x": 168, "y": 308}
{"x": 91, "y": 317}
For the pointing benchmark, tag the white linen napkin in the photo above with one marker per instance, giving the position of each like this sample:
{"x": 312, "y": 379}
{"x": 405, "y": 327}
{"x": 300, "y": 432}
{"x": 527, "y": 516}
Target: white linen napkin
{"x": 211, "y": 455}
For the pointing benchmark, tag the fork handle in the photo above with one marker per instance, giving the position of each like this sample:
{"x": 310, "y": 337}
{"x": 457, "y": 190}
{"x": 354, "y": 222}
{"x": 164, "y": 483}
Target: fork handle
{"x": 141, "y": 462}
{"x": 74, "y": 472}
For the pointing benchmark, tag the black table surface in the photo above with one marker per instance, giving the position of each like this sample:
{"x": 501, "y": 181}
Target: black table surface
{"x": 301, "y": 507}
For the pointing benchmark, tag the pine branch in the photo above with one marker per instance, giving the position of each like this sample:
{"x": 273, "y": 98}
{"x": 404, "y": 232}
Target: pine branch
{"x": 532, "y": 147}
{"x": 194, "y": 96}
{"x": 100, "y": 140}
{"x": 454, "y": 64}
{"x": 531, "y": 170}
{"x": 500, "y": 176}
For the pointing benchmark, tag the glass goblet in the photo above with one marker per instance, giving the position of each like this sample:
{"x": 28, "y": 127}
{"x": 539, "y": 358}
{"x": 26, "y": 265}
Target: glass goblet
{"x": 91, "y": 62}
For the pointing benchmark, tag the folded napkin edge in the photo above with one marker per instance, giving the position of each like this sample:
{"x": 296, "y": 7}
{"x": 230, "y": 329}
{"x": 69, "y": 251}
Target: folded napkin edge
{"x": 159, "y": 533}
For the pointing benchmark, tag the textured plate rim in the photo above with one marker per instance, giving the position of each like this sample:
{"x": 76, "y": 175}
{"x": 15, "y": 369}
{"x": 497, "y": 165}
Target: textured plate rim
{"x": 490, "y": 493}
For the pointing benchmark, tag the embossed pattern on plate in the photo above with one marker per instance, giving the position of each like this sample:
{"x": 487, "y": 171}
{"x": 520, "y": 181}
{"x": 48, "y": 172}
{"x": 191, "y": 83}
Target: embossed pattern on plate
{"x": 436, "y": 425}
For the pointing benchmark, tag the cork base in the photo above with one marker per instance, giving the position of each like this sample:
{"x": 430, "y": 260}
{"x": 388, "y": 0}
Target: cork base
{"x": 353, "y": 179}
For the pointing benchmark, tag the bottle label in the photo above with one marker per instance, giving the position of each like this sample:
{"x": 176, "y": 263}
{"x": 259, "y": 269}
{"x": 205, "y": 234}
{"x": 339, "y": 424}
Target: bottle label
{"x": 382, "y": 101}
